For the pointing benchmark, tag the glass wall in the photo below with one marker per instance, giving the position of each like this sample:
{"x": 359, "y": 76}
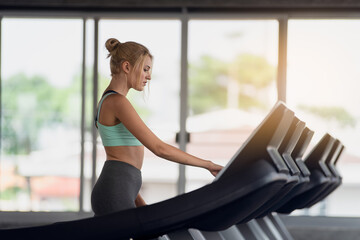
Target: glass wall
{"x": 40, "y": 114}
{"x": 232, "y": 86}
{"x": 323, "y": 84}
{"x": 159, "y": 105}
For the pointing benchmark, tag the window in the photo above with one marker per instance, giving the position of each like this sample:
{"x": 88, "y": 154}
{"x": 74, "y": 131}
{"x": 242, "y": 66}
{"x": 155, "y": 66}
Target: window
{"x": 232, "y": 86}
{"x": 159, "y": 105}
{"x": 323, "y": 76}
{"x": 41, "y": 109}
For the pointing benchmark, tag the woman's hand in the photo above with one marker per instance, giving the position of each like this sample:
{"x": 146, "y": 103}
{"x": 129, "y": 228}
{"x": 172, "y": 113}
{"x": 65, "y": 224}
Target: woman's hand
{"x": 214, "y": 169}
{"x": 139, "y": 201}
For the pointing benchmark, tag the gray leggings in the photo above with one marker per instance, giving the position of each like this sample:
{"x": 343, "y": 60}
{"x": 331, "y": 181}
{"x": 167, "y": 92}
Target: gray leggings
{"x": 116, "y": 189}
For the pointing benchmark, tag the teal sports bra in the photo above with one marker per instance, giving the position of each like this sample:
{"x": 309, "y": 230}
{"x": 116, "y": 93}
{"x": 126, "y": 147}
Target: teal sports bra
{"x": 117, "y": 135}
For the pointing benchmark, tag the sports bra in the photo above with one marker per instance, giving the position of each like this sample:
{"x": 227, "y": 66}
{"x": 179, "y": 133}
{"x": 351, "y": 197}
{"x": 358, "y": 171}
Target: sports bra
{"x": 117, "y": 135}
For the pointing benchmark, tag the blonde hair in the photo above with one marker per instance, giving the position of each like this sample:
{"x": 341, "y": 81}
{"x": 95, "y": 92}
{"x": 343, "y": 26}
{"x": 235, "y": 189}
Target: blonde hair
{"x": 132, "y": 52}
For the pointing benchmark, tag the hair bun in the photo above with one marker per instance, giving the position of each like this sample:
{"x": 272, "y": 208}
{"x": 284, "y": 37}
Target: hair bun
{"x": 111, "y": 44}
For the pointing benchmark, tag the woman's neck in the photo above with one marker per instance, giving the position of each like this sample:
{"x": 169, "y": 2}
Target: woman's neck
{"x": 119, "y": 84}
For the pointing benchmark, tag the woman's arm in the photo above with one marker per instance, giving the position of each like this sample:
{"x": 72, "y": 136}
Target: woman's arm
{"x": 176, "y": 155}
{"x": 125, "y": 112}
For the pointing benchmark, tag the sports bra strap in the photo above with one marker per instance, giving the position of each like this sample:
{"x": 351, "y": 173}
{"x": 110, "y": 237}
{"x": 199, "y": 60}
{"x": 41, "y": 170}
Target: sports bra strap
{"x": 107, "y": 93}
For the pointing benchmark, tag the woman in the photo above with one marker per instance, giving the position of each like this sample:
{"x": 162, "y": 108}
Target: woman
{"x": 124, "y": 134}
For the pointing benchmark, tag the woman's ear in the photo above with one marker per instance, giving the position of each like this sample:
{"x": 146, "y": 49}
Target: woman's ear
{"x": 126, "y": 67}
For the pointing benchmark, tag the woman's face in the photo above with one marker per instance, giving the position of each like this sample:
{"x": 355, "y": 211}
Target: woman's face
{"x": 145, "y": 75}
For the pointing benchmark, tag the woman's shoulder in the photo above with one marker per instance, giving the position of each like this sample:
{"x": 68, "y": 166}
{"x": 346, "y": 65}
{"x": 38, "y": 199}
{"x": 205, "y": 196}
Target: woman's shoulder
{"x": 119, "y": 101}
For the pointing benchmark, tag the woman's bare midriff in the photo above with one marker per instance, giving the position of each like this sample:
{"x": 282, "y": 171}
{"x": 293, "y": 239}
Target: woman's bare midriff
{"x": 133, "y": 155}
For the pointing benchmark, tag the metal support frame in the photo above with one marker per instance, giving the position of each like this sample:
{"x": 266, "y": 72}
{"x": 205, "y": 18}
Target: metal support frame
{"x": 82, "y": 127}
{"x": 268, "y": 227}
{"x": 280, "y": 226}
{"x": 0, "y": 98}
{"x": 95, "y": 97}
{"x": 183, "y": 98}
{"x": 256, "y": 230}
{"x": 232, "y": 233}
{"x": 281, "y": 75}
